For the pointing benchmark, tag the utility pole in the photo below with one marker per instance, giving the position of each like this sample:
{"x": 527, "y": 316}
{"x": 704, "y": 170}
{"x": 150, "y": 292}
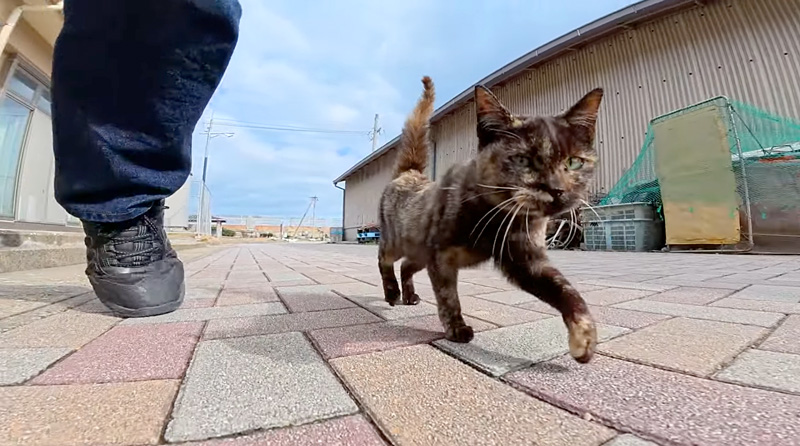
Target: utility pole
{"x": 209, "y": 134}
{"x": 313, "y": 215}
{"x": 375, "y": 131}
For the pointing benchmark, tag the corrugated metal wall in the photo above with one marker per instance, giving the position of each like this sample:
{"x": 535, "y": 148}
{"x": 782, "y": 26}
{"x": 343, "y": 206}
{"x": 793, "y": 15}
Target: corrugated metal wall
{"x": 363, "y": 192}
{"x": 748, "y": 50}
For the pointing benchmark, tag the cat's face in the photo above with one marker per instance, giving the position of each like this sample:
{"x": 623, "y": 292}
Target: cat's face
{"x": 541, "y": 165}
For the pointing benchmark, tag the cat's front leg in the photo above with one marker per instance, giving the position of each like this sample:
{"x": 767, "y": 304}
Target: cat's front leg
{"x": 443, "y": 271}
{"x": 532, "y": 272}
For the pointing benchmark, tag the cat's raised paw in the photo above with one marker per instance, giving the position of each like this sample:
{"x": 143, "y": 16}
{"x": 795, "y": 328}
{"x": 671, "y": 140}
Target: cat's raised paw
{"x": 413, "y": 300}
{"x": 461, "y": 333}
{"x": 582, "y": 338}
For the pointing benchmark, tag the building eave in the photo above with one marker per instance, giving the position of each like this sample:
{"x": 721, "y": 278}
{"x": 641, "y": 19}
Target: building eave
{"x": 636, "y": 13}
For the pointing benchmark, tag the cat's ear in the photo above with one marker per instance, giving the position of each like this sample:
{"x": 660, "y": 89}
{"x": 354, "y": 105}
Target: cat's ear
{"x": 492, "y": 115}
{"x": 584, "y": 113}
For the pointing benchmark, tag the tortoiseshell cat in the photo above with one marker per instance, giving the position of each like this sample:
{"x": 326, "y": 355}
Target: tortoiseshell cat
{"x": 528, "y": 168}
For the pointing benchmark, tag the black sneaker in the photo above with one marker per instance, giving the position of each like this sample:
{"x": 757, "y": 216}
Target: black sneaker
{"x": 132, "y": 267}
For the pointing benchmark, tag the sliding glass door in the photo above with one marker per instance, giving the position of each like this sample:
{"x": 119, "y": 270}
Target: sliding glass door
{"x": 14, "y": 117}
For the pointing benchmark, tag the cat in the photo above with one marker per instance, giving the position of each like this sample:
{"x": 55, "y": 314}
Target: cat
{"x": 495, "y": 206}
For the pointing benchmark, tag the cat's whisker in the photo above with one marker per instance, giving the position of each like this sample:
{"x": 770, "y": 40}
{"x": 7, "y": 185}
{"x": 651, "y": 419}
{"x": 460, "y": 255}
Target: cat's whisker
{"x": 488, "y": 212}
{"x": 591, "y": 208}
{"x": 498, "y": 187}
{"x": 486, "y": 225}
{"x": 505, "y": 236}
{"x": 500, "y": 228}
{"x": 527, "y": 225}
{"x": 480, "y": 195}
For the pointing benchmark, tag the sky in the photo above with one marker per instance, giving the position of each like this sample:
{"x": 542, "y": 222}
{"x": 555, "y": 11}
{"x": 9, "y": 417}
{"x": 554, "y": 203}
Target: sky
{"x": 333, "y": 66}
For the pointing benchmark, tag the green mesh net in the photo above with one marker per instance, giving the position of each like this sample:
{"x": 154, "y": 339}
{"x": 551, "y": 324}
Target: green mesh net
{"x": 765, "y": 155}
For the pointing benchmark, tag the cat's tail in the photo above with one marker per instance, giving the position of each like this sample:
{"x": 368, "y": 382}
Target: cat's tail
{"x": 415, "y": 138}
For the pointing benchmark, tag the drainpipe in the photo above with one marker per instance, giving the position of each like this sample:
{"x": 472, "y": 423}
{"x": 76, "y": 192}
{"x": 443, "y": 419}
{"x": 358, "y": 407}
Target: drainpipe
{"x": 344, "y": 197}
{"x": 13, "y": 18}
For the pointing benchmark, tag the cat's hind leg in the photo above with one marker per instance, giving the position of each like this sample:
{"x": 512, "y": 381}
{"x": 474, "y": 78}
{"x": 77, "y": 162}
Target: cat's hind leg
{"x": 386, "y": 259}
{"x": 407, "y": 271}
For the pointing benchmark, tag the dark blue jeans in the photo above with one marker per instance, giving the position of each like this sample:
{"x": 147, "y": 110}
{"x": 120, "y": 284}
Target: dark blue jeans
{"x": 131, "y": 79}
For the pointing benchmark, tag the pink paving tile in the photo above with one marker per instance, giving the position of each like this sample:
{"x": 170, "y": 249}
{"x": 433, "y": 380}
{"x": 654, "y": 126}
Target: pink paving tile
{"x": 255, "y": 294}
{"x": 345, "y": 431}
{"x": 354, "y": 340}
{"x": 666, "y": 406}
{"x": 129, "y": 353}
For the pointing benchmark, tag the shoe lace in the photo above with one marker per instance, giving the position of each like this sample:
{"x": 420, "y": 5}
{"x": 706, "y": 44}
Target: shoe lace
{"x": 143, "y": 244}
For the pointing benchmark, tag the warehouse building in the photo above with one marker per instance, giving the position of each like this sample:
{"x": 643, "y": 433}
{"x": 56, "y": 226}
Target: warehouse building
{"x": 651, "y": 58}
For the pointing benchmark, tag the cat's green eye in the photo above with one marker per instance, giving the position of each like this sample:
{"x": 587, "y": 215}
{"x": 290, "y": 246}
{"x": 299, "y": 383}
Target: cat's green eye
{"x": 521, "y": 161}
{"x": 573, "y": 163}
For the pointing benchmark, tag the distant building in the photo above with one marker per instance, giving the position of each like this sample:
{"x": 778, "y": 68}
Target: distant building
{"x": 26, "y": 142}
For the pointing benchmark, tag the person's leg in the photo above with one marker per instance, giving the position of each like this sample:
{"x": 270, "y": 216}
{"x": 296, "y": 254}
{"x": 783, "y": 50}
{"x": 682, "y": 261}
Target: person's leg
{"x": 131, "y": 79}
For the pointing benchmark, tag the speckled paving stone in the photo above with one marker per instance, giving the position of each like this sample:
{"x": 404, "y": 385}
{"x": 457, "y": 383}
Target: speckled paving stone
{"x": 624, "y": 318}
{"x": 690, "y": 295}
{"x": 129, "y": 353}
{"x": 759, "y": 368}
{"x": 197, "y": 303}
{"x": 611, "y": 296}
{"x": 107, "y": 414}
{"x": 346, "y": 431}
{"x": 19, "y": 320}
{"x": 758, "y": 305}
{"x": 261, "y": 325}
{"x": 637, "y": 277}
{"x": 515, "y": 297}
{"x": 312, "y": 298}
{"x": 540, "y": 307}
{"x": 668, "y": 405}
{"x": 207, "y": 314}
{"x": 770, "y": 292}
{"x": 327, "y": 278}
{"x": 497, "y": 314}
{"x": 354, "y": 340}
{"x": 511, "y": 348}
{"x": 759, "y": 318}
{"x": 268, "y": 381}
{"x": 357, "y": 289}
{"x": 786, "y": 338}
{"x": 10, "y": 307}
{"x": 693, "y": 346}
{"x": 630, "y": 440}
{"x": 380, "y": 307}
{"x": 70, "y": 329}
{"x": 201, "y": 292}
{"x": 18, "y": 365}
{"x": 420, "y": 396}
{"x": 644, "y": 286}
{"x": 245, "y": 296}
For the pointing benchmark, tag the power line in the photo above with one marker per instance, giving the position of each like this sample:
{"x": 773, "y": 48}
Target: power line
{"x": 277, "y": 128}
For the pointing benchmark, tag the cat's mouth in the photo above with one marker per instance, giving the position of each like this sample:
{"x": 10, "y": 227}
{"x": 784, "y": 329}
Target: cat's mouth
{"x": 543, "y": 201}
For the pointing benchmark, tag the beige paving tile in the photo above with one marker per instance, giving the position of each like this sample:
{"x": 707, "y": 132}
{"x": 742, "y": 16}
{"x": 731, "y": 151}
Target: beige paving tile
{"x": 70, "y": 329}
{"x": 420, "y": 396}
{"x": 759, "y": 318}
{"x": 765, "y": 369}
{"x": 687, "y": 345}
{"x": 786, "y": 338}
{"x": 107, "y": 414}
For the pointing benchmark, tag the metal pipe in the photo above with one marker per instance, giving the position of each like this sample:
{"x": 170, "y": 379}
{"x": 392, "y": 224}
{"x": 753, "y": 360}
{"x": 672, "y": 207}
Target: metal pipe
{"x": 344, "y": 201}
{"x": 16, "y": 13}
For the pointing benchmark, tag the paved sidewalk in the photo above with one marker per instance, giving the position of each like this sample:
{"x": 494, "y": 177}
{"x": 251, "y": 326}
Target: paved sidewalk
{"x": 293, "y": 345}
